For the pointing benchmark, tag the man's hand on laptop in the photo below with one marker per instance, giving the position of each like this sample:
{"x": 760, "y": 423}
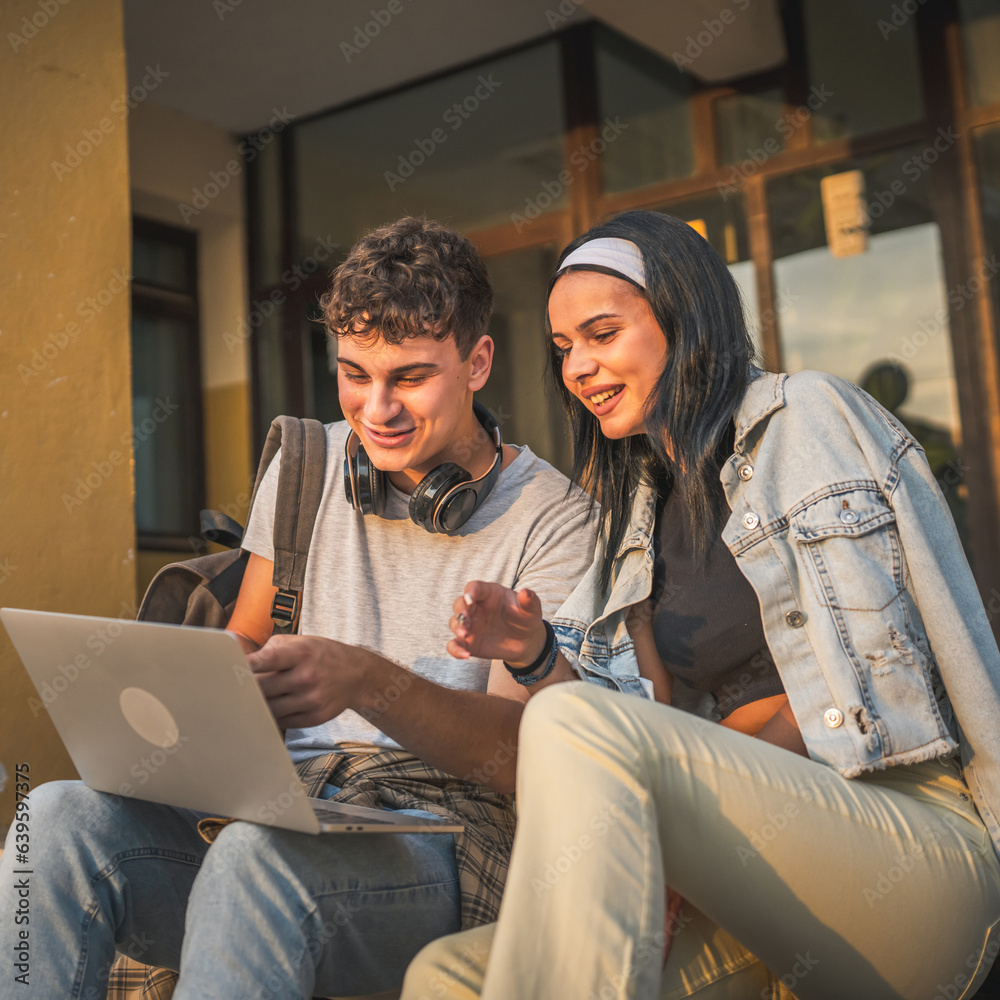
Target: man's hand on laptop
{"x": 309, "y": 680}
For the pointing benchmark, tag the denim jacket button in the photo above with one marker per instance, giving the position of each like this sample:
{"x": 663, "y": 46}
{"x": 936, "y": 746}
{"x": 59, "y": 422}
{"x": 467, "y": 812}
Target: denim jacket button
{"x": 750, "y": 521}
{"x": 745, "y": 472}
{"x": 849, "y": 516}
{"x": 795, "y": 619}
{"x": 833, "y": 717}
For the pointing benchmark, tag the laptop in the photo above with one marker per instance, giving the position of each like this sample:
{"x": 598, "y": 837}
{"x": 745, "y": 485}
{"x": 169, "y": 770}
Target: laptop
{"x": 173, "y": 714}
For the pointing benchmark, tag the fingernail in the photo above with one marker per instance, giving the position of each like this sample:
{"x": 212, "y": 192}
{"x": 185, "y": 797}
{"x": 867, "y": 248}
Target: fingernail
{"x": 468, "y": 600}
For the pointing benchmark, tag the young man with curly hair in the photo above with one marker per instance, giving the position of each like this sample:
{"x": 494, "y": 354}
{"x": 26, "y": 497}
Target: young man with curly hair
{"x": 375, "y": 710}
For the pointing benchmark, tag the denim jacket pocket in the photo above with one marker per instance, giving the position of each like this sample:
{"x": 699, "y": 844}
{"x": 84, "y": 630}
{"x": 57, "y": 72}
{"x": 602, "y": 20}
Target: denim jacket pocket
{"x": 849, "y": 548}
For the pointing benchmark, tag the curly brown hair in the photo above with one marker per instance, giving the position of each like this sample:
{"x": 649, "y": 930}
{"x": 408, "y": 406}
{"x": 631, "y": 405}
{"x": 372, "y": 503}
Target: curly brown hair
{"x": 411, "y": 278}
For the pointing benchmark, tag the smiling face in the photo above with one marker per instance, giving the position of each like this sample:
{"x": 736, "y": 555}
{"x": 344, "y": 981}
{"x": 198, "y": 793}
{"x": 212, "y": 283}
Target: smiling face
{"x": 612, "y": 348}
{"x": 411, "y": 403}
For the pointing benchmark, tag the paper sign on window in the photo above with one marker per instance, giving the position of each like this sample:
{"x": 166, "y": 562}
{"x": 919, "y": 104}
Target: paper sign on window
{"x": 844, "y": 213}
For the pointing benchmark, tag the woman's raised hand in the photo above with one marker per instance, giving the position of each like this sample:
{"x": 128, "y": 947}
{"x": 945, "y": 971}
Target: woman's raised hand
{"x": 495, "y": 623}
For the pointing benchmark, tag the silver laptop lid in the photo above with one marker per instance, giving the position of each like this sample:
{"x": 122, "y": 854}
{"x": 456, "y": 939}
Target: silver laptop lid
{"x": 162, "y": 712}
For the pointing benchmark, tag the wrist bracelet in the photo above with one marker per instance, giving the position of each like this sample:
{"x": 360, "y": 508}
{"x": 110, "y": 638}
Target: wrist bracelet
{"x": 546, "y": 670}
{"x": 550, "y": 641}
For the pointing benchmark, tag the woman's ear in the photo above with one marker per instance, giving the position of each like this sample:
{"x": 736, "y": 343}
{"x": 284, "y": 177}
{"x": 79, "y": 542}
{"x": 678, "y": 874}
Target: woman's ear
{"x": 481, "y": 358}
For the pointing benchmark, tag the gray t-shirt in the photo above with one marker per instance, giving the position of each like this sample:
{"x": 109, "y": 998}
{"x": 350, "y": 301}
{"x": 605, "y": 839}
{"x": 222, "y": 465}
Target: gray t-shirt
{"x": 388, "y": 584}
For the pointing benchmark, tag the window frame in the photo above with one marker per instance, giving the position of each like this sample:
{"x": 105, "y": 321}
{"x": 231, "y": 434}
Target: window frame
{"x": 158, "y": 301}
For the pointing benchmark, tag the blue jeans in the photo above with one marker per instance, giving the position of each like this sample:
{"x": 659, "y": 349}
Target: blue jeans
{"x": 261, "y": 913}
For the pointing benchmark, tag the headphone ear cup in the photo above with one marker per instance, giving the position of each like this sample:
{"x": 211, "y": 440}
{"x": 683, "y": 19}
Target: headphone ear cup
{"x": 424, "y": 498}
{"x": 371, "y": 485}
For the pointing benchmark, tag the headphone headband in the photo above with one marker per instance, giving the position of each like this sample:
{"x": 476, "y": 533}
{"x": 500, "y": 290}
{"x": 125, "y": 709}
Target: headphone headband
{"x": 442, "y": 501}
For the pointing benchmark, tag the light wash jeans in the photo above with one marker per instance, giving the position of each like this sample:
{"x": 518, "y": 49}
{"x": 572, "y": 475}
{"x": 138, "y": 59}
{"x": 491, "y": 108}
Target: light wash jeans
{"x": 797, "y": 881}
{"x": 261, "y": 913}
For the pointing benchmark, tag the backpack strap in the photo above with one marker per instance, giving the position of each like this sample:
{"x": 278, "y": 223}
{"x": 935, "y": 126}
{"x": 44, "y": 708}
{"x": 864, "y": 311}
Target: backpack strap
{"x": 300, "y": 488}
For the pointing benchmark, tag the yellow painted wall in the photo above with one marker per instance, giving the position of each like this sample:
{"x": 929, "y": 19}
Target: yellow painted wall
{"x": 172, "y": 155}
{"x": 65, "y": 383}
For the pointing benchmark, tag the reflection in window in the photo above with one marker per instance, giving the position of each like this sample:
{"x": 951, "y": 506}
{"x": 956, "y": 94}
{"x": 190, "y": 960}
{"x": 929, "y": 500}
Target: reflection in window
{"x": 752, "y": 126}
{"x": 518, "y": 391}
{"x": 880, "y": 319}
{"x": 879, "y": 85}
{"x": 650, "y": 97}
{"x": 981, "y": 40}
{"x": 896, "y": 196}
{"x": 467, "y": 149}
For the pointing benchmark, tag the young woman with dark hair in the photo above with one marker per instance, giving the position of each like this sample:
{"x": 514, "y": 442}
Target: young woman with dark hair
{"x": 777, "y": 559}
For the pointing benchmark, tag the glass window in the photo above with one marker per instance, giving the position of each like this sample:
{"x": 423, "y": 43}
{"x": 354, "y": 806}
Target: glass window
{"x": 649, "y": 96}
{"x": 162, "y": 263}
{"x": 469, "y": 149}
{"x": 981, "y": 39}
{"x": 166, "y": 419}
{"x": 321, "y": 355}
{"x": 166, "y": 386}
{"x": 896, "y": 196}
{"x": 518, "y": 392}
{"x": 752, "y": 126}
{"x": 880, "y": 317}
{"x": 272, "y": 378}
{"x": 265, "y": 180}
{"x": 863, "y": 68}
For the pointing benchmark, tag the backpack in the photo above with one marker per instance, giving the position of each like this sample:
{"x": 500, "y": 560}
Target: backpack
{"x": 203, "y": 591}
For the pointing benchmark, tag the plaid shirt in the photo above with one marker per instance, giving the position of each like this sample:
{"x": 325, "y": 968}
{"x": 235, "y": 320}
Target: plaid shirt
{"x": 387, "y": 779}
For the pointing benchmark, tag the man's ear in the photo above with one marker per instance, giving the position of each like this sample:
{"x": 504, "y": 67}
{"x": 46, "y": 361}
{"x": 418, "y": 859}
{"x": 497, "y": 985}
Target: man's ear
{"x": 481, "y": 358}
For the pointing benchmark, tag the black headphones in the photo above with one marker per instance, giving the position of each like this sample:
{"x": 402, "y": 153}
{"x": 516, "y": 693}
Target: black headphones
{"x": 442, "y": 501}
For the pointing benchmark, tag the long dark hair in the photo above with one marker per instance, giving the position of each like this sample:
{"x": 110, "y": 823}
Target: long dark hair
{"x": 689, "y": 412}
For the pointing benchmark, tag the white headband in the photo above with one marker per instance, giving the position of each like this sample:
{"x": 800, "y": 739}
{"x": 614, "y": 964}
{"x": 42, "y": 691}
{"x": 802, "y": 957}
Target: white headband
{"x": 622, "y": 256}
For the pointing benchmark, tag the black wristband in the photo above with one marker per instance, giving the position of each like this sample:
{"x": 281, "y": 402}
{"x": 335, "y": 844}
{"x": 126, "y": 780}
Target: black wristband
{"x": 550, "y": 641}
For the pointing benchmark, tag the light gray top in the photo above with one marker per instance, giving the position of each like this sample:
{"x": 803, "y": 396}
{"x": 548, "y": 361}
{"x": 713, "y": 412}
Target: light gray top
{"x": 388, "y": 584}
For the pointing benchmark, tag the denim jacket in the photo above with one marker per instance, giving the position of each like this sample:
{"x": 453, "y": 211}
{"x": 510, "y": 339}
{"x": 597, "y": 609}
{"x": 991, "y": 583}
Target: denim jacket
{"x": 869, "y": 607}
